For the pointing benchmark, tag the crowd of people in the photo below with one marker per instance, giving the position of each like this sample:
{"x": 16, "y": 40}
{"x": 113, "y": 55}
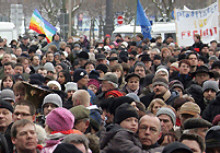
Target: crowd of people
{"x": 129, "y": 95}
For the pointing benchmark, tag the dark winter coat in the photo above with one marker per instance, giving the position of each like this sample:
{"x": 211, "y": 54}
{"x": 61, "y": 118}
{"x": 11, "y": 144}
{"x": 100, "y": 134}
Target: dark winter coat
{"x": 120, "y": 140}
{"x": 184, "y": 79}
{"x": 212, "y": 109}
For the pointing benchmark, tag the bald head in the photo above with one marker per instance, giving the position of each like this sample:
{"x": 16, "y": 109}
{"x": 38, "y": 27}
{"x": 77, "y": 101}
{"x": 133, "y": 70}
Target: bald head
{"x": 81, "y": 97}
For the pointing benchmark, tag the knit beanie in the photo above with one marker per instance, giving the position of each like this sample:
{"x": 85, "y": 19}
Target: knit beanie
{"x": 94, "y": 82}
{"x": 79, "y": 74}
{"x": 160, "y": 81}
{"x": 167, "y": 111}
{"x": 162, "y": 70}
{"x": 6, "y": 105}
{"x": 210, "y": 85}
{"x": 123, "y": 112}
{"x": 60, "y": 119}
{"x": 49, "y": 67}
{"x": 55, "y": 83}
{"x": 69, "y": 86}
{"x": 53, "y": 99}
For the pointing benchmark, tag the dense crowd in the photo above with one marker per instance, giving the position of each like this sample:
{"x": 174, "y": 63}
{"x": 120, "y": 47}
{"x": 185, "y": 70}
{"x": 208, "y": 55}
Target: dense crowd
{"x": 129, "y": 95}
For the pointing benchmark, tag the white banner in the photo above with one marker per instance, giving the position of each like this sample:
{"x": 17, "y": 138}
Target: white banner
{"x": 203, "y": 22}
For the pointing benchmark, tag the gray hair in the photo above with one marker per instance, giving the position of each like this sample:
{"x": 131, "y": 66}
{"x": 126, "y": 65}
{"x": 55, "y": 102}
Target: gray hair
{"x": 78, "y": 139}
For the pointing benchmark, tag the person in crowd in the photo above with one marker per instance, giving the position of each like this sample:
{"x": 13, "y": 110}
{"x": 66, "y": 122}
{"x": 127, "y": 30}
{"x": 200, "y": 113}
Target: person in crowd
{"x": 212, "y": 140}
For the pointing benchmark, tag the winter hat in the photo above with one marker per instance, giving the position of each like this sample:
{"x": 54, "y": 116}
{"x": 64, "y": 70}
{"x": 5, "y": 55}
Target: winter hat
{"x": 60, "y": 119}
{"x": 36, "y": 79}
{"x": 216, "y": 120}
{"x": 167, "y": 111}
{"x": 79, "y": 74}
{"x": 49, "y": 67}
{"x": 53, "y": 99}
{"x": 7, "y": 94}
{"x": 6, "y": 105}
{"x": 162, "y": 70}
{"x": 55, "y": 83}
{"x": 213, "y": 57}
{"x": 102, "y": 67}
{"x": 193, "y": 123}
{"x": 175, "y": 147}
{"x": 94, "y": 82}
{"x": 160, "y": 81}
{"x": 67, "y": 148}
{"x": 118, "y": 102}
{"x": 94, "y": 74}
{"x": 190, "y": 108}
{"x": 80, "y": 112}
{"x": 212, "y": 138}
{"x": 210, "y": 85}
{"x": 175, "y": 66}
{"x": 111, "y": 77}
{"x": 71, "y": 86}
{"x": 123, "y": 112}
{"x": 95, "y": 118}
{"x": 133, "y": 96}
{"x": 130, "y": 75}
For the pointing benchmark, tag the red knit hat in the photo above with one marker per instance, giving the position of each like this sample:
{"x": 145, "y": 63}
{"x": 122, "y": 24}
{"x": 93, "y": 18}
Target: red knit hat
{"x": 94, "y": 82}
{"x": 114, "y": 93}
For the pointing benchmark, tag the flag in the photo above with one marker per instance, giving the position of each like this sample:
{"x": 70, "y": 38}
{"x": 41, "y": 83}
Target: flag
{"x": 41, "y": 26}
{"x": 143, "y": 21}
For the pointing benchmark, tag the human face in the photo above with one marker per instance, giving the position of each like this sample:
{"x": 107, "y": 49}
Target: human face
{"x": 179, "y": 90}
{"x": 184, "y": 68}
{"x": 166, "y": 123}
{"x": 36, "y": 61}
{"x": 156, "y": 107}
{"x": 7, "y": 83}
{"x": 149, "y": 130}
{"x": 106, "y": 86}
{"x": 48, "y": 108}
{"x": 83, "y": 82}
{"x": 70, "y": 93}
{"x": 118, "y": 73}
{"x": 19, "y": 95}
{"x": 81, "y": 125}
{"x": 140, "y": 71}
{"x": 56, "y": 37}
{"x": 6, "y": 58}
{"x": 61, "y": 78}
{"x": 26, "y": 138}
{"x": 130, "y": 123}
{"x": 159, "y": 89}
{"x": 50, "y": 57}
{"x": 209, "y": 94}
{"x": 18, "y": 69}
{"x": 25, "y": 63}
{"x": 43, "y": 72}
{"x": 148, "y": 64}
{"x": 22, "y": 112}
{"x": 5, "y": 118}
{"x": 89, "y": 68}
{"x": 18, "y": 52}
{"x": 201, "y": 77}
{"x": 133, "y": 83}
{"x": 93, "y": 88}
{"x": 193, "y": 60}
{"x": 8, "y": 70}
{"x": 193, "y": 145}
{"x": 59, "y": 68}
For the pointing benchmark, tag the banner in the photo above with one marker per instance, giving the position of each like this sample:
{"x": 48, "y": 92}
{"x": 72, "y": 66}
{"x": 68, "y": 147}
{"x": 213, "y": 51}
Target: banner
{"x": 203, "y": 22}
{"x": 41, "y": 26}
{"x": 143, "y": 21}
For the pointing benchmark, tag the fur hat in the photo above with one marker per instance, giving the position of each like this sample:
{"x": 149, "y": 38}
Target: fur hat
{"x": 55, "y": 83}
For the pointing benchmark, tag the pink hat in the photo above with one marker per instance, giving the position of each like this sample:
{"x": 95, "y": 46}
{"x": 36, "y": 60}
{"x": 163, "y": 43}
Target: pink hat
{"x": 94, "y": 82}
{"x": 60, "y": 119}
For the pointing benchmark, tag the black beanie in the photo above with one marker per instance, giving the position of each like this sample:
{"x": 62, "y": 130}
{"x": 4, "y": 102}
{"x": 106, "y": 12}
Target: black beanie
{"x": 119, "y": 101}
{"x": 123, "y": 112}
{"x": 6, "y": 105}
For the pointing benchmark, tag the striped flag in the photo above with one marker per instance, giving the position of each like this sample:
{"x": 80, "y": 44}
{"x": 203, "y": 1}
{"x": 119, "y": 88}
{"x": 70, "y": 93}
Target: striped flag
{"x": 41, "y": 26}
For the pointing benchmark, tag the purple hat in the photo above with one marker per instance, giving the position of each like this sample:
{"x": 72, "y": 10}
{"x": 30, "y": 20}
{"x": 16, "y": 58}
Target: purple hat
{"x": 60, "y": 119}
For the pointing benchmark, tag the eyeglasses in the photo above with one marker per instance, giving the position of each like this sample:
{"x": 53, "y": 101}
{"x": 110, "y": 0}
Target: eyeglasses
{"x": 22, "y": 114}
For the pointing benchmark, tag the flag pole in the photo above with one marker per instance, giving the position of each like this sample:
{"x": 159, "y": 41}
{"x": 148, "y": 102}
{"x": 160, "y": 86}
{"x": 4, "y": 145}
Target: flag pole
{"x": 135, "y": 19}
